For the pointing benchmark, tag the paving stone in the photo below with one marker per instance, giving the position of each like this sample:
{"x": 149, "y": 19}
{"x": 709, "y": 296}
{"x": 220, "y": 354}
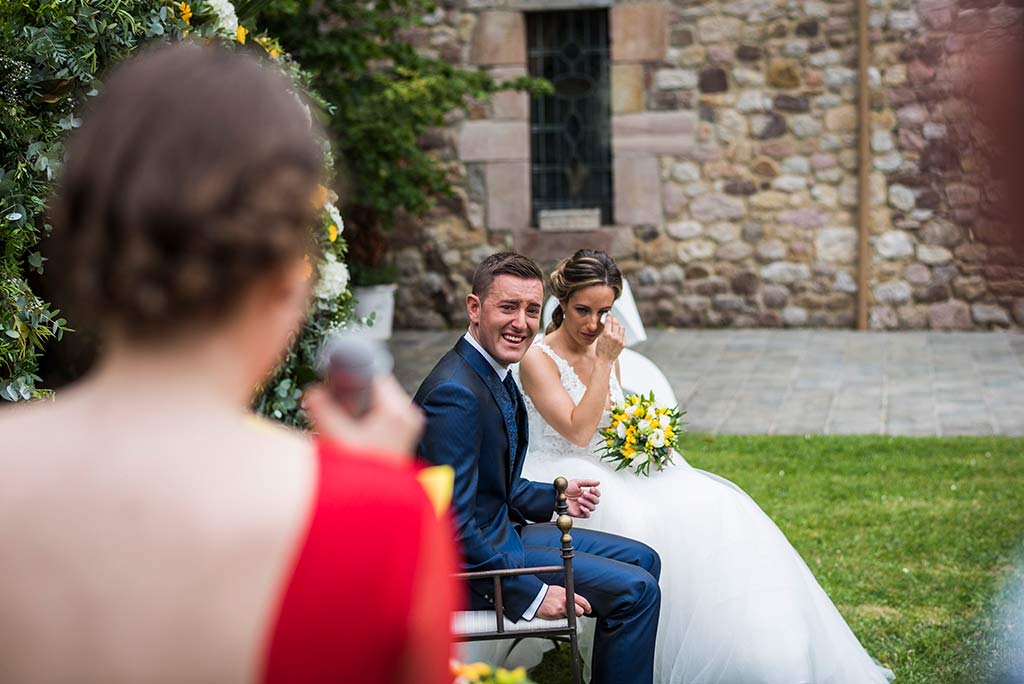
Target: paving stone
{"x": 816, "y": 381}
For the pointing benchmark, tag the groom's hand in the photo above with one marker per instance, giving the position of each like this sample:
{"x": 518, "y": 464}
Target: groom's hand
{"x": 582, "y": 497}
{"x": 553, "y": 606}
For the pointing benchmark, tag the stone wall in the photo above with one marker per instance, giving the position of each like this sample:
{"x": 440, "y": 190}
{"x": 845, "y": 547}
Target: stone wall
{"x": 734, "y": 131}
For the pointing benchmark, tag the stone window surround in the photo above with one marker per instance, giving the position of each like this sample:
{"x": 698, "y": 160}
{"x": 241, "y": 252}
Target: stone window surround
{"x": 502, "y": 143}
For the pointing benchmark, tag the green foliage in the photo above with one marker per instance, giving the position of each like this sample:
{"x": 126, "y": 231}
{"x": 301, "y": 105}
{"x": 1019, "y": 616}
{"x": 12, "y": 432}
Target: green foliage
{"x": 53, "y": 54}
{"x": 911, "y": 538}
{"x": 385, "y": 95}
{"x": 51, "y": 57}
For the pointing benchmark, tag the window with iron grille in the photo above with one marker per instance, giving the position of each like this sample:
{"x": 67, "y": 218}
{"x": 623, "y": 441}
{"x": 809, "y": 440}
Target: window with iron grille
{"x": 570, "y": 130}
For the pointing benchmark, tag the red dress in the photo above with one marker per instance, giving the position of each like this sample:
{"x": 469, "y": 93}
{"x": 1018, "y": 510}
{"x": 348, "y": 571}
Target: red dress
{"x": 372, "y": 543}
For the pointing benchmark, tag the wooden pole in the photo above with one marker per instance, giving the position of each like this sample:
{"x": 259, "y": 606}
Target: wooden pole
{"x": 864, "y": 164}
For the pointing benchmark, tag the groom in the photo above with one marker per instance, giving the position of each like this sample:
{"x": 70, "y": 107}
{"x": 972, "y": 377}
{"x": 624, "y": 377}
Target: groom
{"x": 476, "y": 423}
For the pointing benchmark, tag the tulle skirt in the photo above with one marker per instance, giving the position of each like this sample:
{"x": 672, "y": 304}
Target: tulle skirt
{"x": 739, "y": 605}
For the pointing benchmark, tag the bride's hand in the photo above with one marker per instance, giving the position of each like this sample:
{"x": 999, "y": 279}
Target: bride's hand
{"x": 611, "y": 341}
{"x": 582, "y": 497}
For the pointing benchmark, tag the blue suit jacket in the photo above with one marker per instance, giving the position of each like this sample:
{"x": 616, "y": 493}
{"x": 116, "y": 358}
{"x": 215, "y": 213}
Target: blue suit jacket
{"x": 466, "y": 430}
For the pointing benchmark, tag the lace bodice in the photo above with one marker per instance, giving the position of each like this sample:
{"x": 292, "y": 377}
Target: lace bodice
{"x": 545, "y": 442}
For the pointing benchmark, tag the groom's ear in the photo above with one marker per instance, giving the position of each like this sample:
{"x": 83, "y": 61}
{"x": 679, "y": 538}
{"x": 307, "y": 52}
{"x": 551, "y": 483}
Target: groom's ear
{"x": 473, "y": 305}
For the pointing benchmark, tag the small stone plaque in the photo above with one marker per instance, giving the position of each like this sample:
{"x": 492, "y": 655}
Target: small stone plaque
{"x": 569, "y": 219}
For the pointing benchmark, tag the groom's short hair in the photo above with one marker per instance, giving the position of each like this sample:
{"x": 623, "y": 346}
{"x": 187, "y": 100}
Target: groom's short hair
{"x": 504, "y": 263}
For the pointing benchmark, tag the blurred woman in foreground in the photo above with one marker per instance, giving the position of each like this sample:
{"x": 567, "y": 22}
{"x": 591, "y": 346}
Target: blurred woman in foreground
{"x": 152, "y": 528}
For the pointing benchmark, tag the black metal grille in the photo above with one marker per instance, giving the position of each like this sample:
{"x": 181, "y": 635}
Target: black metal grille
{"x": 570, "y": 130}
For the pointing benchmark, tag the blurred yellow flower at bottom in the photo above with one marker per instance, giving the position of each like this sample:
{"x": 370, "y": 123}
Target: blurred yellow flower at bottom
{"x": 471, "y": 671}
{"x": 240, "y": 33}
{"x": 516, "y": 676}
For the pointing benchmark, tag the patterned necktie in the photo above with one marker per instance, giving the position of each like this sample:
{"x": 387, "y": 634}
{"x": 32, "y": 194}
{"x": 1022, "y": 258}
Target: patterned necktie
{"x": 508, "y": 410}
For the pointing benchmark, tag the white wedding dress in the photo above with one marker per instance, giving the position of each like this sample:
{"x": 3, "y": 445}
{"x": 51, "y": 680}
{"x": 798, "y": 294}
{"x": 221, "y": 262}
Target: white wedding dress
{"x": 739, "y": 605}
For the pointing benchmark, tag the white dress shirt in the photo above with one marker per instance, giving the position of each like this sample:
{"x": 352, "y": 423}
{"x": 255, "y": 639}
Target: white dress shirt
{"x": 502, "y": 372}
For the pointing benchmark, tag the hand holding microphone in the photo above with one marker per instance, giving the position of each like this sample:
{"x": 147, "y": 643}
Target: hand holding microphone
{"x": 360, "y": 402}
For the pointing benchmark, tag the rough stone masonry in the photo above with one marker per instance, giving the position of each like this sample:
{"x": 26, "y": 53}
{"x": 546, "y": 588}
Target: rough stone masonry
{"x": 734, "y": 133}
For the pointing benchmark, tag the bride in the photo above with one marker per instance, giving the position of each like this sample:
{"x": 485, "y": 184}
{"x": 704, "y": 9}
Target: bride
{"x": 739, "y": 605}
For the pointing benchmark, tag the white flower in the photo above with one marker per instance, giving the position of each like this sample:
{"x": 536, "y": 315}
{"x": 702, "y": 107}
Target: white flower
{"x": 657, "y": 438}
{"x": 643, "y": 424}
{"x": 333, "y": 278}
{"x": 227, "y": 20}
{"x": 640, "y": 460}
{"x": 335, "y": 215}
{"x": 621, "y": 430}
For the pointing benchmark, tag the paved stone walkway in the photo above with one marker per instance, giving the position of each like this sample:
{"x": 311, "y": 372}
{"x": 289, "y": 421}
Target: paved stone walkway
{"x": 817, "y": 381}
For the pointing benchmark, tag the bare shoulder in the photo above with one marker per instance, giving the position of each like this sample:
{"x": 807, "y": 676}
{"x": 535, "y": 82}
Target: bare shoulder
{"x": 537, "y": 364}
{"x": 28, "y": 427}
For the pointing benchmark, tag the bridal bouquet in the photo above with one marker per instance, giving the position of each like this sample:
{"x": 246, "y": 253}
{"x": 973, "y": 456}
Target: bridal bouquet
{"x": 641, "y": 434}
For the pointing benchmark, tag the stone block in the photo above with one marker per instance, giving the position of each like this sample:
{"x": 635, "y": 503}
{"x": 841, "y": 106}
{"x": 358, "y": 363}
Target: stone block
{"x": 498, "y": 38}
{"x": 841, "y": 119}
{"x": 637, "y": 190}
{"x": 892, "y": 292}
{"x": 785, "y": 272}
{"x": 675, "y": 79}
{"x": 494, "y": 141}
{"x": 718, "y": 29}
{"x": 734, "y": 251}
{"x": 639, "y": 32}
{"x": 508, "y": 195}
{"x": 990, "y": 314}
{"x": 942, "y": 232}
{"x": 894, "y": 244}
{"x": 717, "y": 207}
{"x": 804, "y": 217}
{"x": 949, "y": 316}
{"x": 784, "y": 73}
{"x": 673, "y": 199}
{"x": 684, "y": 230}
{"x": 627, "y": 88}
{"x": 510, "y": 104}
{"x": 713, "y": 81}
{"x": 547, "y": 247}
{"x": 933, "y": 255}
{"x": 836, "y": 245}
{"x": 653, "y": 133}
{"x": 695, "y": 250}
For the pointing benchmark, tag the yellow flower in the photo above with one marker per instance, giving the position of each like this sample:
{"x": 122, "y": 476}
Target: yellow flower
{"x": 186, "y": 13}
{"x": 274, "y": 52}
{"x": 516, "y": 676}
{"x": 627, "y": 452}
{"x": 332, "y": 232}
{"x": 655, "y": 423}
{"x": 471, "y": 671}
{"x": 669, "y": 433}
{"x": 240, "y": 33}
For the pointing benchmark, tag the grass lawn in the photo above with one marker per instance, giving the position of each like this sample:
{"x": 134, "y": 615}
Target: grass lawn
{"x": 911, "y": 538}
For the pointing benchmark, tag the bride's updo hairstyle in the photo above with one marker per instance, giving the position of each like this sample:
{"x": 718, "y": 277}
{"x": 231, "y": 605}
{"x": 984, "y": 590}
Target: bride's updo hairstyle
{"x": 585, "y": 268}
{"x": 191, "y": 179}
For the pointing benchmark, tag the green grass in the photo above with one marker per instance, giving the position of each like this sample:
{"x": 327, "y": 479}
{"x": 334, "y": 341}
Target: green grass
{"x": 911, "y": 538}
